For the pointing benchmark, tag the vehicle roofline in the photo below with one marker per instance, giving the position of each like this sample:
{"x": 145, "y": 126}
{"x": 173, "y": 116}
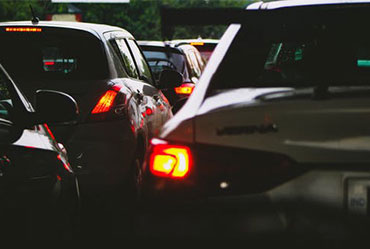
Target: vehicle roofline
{"x": 93, "y": 28}
{"x": 301, "y": 3}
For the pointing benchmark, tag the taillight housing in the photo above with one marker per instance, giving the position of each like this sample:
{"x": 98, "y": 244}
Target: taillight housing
{"x": 185, "y": 89}
{"x": 107, "y": 103}
{"x": 169, "y": 160}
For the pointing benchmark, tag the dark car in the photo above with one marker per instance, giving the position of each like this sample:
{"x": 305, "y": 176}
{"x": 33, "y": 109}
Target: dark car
{"x": 39, "y": 189}
{"x": 184, "y": 59}
{"x": 276, "y": 133}
{"x": 121, "y": 107}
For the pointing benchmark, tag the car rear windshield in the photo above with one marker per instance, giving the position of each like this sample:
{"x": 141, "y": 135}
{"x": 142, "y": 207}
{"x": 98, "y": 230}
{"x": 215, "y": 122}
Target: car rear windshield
{"x": 52, "y": 53}
{"x": 314, "y": 50}
{"x": 160, "y": 59}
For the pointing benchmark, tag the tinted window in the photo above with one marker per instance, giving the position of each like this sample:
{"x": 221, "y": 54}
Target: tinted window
{"x": 159, "y": 60}
{"x": 327, "y": 54}
{"x": 128, "y": 61}
{"x": 142, "y": 66}
{"x": 53, "y": 54}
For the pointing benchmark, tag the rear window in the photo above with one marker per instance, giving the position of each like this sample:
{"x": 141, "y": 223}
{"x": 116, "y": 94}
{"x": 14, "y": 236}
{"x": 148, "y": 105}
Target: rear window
{"x": 160, "y": 59}
{"x": 205, "y": 49}
{"x": 54, "y": 54}
{"x": 322, "y": 51}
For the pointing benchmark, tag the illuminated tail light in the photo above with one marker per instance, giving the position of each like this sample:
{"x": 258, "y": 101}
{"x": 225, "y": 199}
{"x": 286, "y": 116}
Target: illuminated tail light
{"x": 185, "y": 89}
{"x": 105, "y": 103}
{"x": 172, "y": 161}
{"x": 23, "y": 29}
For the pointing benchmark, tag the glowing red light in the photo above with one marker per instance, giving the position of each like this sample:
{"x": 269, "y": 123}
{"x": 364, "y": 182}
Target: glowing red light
{"x": 185, "y": 89}
{"x": 49, "y": 63}
{"x": 172, "y": 161}
{"x": 105, "y": 102}
{"x": 149, "y": 111}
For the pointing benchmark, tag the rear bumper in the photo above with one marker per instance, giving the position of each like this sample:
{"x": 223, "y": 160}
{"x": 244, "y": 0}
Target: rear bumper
{"x": 40, "y": 192}
{"x": 320, "y": 204}
{"x": 100, "y": 152}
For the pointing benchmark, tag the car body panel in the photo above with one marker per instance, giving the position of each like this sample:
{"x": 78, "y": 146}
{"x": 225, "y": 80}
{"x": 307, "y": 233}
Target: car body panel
{"x": 139, "y": 109}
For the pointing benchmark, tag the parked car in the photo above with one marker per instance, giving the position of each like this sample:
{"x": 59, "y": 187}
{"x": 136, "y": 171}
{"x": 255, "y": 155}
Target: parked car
{"x": 204, "y": 46}
{"x": 162, "y": 56}
{"x": 121, "y": 105}
{"x": 39, "y": 189}
{"x": 277, "y": 129}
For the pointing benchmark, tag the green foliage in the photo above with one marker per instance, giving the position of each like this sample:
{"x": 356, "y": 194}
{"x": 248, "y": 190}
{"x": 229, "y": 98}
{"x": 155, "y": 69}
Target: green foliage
{"x": 140, "y": 17}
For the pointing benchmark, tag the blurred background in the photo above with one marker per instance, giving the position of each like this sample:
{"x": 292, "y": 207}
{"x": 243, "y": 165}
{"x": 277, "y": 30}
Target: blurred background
{"x": 140, "y": 17}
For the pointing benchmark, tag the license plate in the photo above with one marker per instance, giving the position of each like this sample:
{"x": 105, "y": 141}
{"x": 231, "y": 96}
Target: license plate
{"x": 357, "y": 196}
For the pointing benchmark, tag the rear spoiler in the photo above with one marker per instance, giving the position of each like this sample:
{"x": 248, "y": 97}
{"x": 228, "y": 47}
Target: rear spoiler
{"x": 171, "y": 17}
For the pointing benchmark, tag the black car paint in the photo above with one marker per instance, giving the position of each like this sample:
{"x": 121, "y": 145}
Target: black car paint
{"x": 36, "y": 179}
{"x": 103, "y": 148}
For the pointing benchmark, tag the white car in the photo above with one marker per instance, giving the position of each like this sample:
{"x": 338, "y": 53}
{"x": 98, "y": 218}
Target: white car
{"x": 280, "y": 114}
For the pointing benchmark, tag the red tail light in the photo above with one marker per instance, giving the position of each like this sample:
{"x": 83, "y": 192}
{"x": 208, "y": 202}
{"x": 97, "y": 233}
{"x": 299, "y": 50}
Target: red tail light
{"x": 185, "y": 89}
{"x": 105, "y": 103}
{"x": 168, "y": 160}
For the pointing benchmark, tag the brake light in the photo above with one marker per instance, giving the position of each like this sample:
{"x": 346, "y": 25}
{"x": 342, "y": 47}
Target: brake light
{"x": 197, "y": 43}
{"x": 168, "y": 160}
{"x": 185, "y": 89}
{"x": 23, "y": 29}
{"x": 105, "y": 103}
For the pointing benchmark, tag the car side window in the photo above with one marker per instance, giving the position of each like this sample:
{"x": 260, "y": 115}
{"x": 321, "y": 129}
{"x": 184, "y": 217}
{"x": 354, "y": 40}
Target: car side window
{"x": 142, "y": 66}
{"x": 128, "y": 61}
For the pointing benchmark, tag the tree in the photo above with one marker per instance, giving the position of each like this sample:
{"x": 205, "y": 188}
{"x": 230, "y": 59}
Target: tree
{"x": 139, "y": 17}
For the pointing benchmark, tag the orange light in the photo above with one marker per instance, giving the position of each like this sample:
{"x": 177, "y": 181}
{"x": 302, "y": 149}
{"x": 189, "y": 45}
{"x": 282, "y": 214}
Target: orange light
{"x": 23, "y": 29}
{"x": 185, "y": 89}
{"x": 170, "y": 160}
{"x": 105, "y": 102}
{"x": 197, "y": 43}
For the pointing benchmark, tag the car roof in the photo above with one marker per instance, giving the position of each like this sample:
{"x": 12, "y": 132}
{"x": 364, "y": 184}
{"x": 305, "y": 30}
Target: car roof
{"x": 301, "y": 3}
{"x": 93, "y": 28}
{"x": 178, "y": 42}
{"x": 159, "y": 45}
{"x": 151, "y": 43}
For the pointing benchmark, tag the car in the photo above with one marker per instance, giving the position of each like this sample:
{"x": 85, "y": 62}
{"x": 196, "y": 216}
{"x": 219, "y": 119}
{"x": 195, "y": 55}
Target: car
{"x": 162, "y": 56}
{"x": 39, "y": 188}
{"x": 121, "y": 104}
{"x": 275, "y": 135}
{"x": 204, "y": 46}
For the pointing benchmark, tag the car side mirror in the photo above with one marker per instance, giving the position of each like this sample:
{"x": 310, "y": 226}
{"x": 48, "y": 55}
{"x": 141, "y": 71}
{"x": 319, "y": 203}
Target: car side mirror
{"x": 53, "y": 107}
{"x": 169, "y": 79}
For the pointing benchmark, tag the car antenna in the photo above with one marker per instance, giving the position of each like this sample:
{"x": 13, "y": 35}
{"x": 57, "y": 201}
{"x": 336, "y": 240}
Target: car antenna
{"x": 35, "y": 19}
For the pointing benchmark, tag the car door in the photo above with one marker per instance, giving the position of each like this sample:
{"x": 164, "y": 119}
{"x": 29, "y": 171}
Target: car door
{"x": 157, "y": 102}
{"x": 145, "y": 100}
